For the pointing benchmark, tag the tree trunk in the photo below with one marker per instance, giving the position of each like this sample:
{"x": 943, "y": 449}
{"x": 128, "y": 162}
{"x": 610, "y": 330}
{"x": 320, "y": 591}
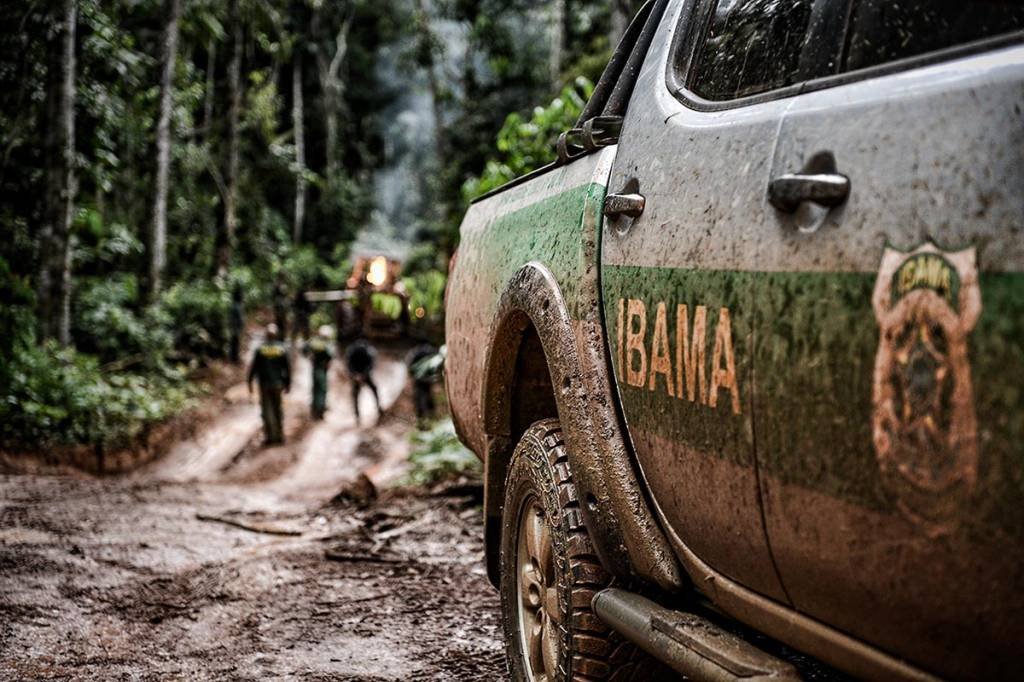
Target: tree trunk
{"x": 298, "y": 115}
{"x": 333, "y": 89}
{"x": 54, "y": 285}
{"x": 331, "y": 115}
{"x": 427, "y": 38}
{"x": 621, "y": 14}
{"x": 211, "y": 83}
{"x": 157, "y": 245}
{"x": 230, "y": 220}
{"x": 557, "y": 56}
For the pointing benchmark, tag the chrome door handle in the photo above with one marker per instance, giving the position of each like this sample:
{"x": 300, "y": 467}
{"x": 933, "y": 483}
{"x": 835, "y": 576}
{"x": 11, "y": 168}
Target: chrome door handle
{"x": 631, "y": 205}
{"x": 787, "y": 192}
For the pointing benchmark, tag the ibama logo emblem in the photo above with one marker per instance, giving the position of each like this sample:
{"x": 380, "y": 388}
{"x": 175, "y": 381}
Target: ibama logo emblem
{"x": 924, "y": 426}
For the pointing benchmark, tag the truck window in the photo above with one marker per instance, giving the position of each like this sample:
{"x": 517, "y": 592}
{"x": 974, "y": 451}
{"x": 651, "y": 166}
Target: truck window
{"x": 750, "y": 46}
{"x": 883, "y": 31}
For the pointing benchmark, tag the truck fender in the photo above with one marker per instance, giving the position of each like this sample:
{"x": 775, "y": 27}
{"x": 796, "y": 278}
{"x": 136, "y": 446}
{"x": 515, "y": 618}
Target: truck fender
{"x": 628, "y": 540}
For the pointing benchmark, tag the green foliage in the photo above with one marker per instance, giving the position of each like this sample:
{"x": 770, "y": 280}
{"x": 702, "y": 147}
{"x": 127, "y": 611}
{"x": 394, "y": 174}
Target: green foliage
{"x": 524, "y": 145}
{"x": 335, "y": 270}
{"x": 342, "y": 206}
{"x": 198, "y": 314}
{"x": 304, "y": 267}
{"x": 386, "y": 304}
{"x": 437, "y": 454}
{"x": 255, "y": 290}
{"x": 102, "y": 246}
{"x": 107, "y": 323}
{"x": 16, "y": 318}
{"x": 423, "y": 257}
{"x": 321, "y": 315}
{"x": 60, "y": 396}
{"x": 263, "y": 112}
{"x": 118, "y": 378}
{"x": 426, "y": 293}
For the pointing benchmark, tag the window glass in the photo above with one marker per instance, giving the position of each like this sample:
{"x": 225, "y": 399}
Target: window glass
{"x": 751, "y": 46}
{"x": 886, "y": 30}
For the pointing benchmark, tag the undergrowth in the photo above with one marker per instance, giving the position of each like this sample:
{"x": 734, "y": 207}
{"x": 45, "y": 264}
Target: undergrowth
{"x": 437, "y": 454}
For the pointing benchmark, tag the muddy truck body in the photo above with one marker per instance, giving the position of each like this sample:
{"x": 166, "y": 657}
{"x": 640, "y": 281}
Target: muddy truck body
{"x": 754, "y": 346}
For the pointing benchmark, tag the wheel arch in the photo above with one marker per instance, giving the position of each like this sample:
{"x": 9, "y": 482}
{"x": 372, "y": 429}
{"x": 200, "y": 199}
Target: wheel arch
{"x": 517, "y": 390}
{"x": 532, "y": 329}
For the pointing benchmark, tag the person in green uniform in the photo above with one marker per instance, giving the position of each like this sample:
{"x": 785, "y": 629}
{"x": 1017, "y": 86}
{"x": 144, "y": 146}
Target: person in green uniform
{"x": 319, "y": 351}
{"x": 270, "y": 368}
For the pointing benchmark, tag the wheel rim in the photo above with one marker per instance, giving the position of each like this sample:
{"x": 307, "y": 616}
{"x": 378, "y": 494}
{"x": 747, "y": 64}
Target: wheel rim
{"x": 539, "y": 613}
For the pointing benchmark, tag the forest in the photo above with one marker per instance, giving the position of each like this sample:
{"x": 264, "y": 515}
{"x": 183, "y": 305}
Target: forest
{"x": 157, "y": 155}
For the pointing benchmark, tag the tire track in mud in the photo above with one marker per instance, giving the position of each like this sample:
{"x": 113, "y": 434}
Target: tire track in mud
{"x": 118, "y": 578}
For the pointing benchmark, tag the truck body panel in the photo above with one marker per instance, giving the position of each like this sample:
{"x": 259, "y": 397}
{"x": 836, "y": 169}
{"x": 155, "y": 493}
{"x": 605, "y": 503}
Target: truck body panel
{"x": 898, "y": 472}
{"x": 539, "y": 221}
{"x": 866, "y": 536}
{"x": 703, "y": 177}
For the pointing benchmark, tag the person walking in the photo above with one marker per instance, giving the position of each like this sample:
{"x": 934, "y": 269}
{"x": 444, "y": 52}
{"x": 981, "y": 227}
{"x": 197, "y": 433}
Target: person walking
{"x": 424, "y": 362}
{"x": 320, "y": 354}
{"x": 270, "y": 367}
{"x": 360, "y": 358}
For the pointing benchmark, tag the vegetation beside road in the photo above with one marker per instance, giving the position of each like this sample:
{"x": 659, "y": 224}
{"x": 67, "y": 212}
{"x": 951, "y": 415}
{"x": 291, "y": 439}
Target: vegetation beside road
{"x": 157, "y": 154}
{"x": 437, "y": 454}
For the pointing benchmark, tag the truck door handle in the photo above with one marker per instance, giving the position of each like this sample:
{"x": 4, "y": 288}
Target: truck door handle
{"x": 787, "y": 192}
{"x": 631, "y": 205}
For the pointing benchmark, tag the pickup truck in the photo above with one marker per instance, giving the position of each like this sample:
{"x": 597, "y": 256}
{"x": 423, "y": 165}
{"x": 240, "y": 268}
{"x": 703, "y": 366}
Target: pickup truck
{"x": 749, "y": 356}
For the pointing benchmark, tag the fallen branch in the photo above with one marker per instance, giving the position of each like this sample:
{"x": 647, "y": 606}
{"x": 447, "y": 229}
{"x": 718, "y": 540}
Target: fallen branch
{"x": 405, "y": 528}
{"x": 332, "y": 555}
{"x": 343, "y": 602}
{"x": 253, "y": 528}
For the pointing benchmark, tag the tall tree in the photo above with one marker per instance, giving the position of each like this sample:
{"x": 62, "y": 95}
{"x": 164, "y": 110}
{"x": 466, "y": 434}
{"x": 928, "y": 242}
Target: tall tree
{"x": 298, "y": 116}
{"x": 429, "y": 52}
{"x": 621, "y": 13}
{"x": 54, "y": 280}
{"x": 157, "y": 242}
{"x": 209, "y": 91}
{"x": 558, "y": 34}
{"x": 229, "y": 222}
{"x": 329, "y": 61}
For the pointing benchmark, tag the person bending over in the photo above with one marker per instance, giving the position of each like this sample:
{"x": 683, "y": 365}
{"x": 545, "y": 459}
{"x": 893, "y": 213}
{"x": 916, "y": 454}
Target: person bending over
{"x": 360, "y": 358}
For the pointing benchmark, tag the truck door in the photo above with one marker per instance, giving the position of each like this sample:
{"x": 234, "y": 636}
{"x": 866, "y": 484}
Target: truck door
{"x": 890, "y": 336}
{"x": 679, "y": 304}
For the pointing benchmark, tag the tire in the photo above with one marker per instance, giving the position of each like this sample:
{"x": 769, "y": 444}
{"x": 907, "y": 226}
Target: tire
{"x": 557, "y": 586}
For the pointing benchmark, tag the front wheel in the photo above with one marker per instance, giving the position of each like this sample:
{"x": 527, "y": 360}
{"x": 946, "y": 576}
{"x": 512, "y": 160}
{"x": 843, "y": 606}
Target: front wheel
{"x": 550, "y": 572}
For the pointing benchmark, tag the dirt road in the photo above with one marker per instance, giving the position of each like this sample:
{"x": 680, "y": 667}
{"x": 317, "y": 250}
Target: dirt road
{"x": 213, "y": 562}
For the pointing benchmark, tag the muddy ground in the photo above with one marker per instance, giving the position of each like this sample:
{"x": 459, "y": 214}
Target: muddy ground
{"x": 228, "y": 560}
